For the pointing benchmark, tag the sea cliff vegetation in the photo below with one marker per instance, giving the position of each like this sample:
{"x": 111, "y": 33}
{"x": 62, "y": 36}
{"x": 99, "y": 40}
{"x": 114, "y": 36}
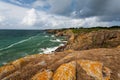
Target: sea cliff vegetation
{"x": 86, "y": 30}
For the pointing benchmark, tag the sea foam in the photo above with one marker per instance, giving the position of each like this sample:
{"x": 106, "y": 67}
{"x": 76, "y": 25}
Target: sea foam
{"x": 56, "y": 40}
{"x": 19, "y": 42}
{"x": 50, "y": 50}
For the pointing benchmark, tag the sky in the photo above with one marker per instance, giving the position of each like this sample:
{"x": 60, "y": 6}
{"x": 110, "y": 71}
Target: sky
{"x": 53, "y": 14}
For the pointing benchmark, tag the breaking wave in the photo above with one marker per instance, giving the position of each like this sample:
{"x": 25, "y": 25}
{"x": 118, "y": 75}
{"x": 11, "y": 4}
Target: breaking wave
{"x": 50, "y": 50}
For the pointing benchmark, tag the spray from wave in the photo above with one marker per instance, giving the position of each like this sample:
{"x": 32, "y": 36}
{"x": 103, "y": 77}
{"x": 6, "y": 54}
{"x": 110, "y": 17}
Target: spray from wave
{"x": 56, "y": 40}
{"x": 50, "y": 50}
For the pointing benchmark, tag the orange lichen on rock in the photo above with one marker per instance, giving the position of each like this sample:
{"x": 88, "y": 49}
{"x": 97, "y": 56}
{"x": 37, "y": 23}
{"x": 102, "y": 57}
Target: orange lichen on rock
{"x": 19, "y": 62}
{"x": 44, "y": 75}
{"x": 95, "y": 69}
{"x": 66, "y": 72}
{"x": 6, "y": 68}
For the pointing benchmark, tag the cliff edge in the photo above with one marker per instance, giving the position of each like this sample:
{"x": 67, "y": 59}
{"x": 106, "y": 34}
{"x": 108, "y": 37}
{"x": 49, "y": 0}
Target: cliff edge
{"x": 87, "y": 56}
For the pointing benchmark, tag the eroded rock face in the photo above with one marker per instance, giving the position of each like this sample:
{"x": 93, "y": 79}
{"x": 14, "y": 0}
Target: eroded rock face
{"x": 95, "y": 69}
{"x": 94, "y": 39}
{"x": 6, "y": 70}
{"x": 66, "y": 72}
{"x": 96, "y": 64}
{"x": 44, "y": 75}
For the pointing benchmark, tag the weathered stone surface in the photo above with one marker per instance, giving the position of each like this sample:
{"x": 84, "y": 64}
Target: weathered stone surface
{"x": 44, "y": 75}
{"x": 6, "y": 70}
{"x": 94, "y": 39}
{"x": 66, "y": 72}
{"x": 95, "y": 69}
{"x": 100, "y": 64}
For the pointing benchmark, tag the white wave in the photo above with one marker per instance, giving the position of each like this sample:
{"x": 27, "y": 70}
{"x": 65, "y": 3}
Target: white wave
{"x": 4, "y": 63}
{"x": 57, "y": 40}
{"x": 46, "y": 36}
{"x": 17, "y": 43}
{"x": 61, "y": 45}
{"x": 52, "y": 35}
{"x": 50, "y": 50}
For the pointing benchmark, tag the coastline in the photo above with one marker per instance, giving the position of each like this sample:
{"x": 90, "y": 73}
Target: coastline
{"x": 17, "y": 44}
{"x": 99, "y": 49}
{"x": 95, "y": 38}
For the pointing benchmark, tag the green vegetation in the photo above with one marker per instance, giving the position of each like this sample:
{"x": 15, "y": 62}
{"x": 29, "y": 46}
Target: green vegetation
{"x": 86, "y": 30}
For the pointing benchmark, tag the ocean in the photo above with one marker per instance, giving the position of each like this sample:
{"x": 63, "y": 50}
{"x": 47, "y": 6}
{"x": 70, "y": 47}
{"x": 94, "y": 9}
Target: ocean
{"x": 15, "y": 44}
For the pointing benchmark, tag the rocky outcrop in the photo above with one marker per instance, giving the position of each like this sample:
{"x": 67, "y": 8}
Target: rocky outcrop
{"x": 92, "y": 40}
{"x": 95, "y": 69}
{"x": 66, "y": 72}
{"x": 94, "y": 64}
{"x": 43, "y": 75}
{"x": 87, "y": 56}
{"x": 60, "y": 32}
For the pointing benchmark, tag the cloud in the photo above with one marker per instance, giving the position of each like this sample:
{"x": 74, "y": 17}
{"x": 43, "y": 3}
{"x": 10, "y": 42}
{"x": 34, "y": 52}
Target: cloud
{"x": 12, "y": 15}
{"x": 60, "y": 6}
{"x": 60, "y": 14}
{"x": 41, "y": 4}
{"x": 47, "y": 21}
{"x": 2, "y": 18}
{"x": 16, "y": 2}
{"x": 106, "y": 10}
{"x": 30, "y": 18}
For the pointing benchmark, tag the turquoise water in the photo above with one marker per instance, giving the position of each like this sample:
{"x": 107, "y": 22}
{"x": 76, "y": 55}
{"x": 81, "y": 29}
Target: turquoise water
{"x": 15, "y": 44}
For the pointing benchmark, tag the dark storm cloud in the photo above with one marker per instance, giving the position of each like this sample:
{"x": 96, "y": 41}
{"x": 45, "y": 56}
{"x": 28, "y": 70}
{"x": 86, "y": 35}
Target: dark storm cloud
{"x": 59, "y": 13}
{"x": 94, "y": 8}
{"x": 106, "y": 10}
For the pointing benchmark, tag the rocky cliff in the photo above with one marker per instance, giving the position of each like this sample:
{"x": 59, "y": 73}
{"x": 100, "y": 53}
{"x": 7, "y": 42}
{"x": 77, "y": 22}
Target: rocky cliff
{"x": 91, "y": 40}
{"x": 86, "y": 56}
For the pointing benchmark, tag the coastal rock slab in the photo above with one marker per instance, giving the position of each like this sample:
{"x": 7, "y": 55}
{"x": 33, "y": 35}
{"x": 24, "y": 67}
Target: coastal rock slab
{"x": 44, "y": 75}
{"x": 6, "y": 70}
{"x": 99, "y": 64}
{"x": 95, "y": 69}
{"x": 66, "y": 72}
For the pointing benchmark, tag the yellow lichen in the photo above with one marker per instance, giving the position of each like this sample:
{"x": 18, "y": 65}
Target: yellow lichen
{"x": 66, "y": 72}
{"x": 19, "y": 62}
{"x": 5, "y": 69}
{"x": 95, "y": 69}
{"x": 44, "y": 75}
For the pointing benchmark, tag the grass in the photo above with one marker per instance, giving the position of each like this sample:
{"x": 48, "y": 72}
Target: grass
{"x": 87, "y": 30}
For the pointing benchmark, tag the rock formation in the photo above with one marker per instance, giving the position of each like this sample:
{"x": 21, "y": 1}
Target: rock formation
{"x": 94, "y": 64}
{"x": 91, "y": 56}
{"x": 94, "y": 39}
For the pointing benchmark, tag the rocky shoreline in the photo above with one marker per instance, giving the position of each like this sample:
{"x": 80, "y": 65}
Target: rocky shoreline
{"x": 91, "y": 55}
{"x": 91, "y": 40}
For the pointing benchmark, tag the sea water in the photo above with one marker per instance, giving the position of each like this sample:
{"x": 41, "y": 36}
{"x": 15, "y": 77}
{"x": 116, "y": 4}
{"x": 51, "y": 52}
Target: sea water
{"x": 15, "y": 44}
